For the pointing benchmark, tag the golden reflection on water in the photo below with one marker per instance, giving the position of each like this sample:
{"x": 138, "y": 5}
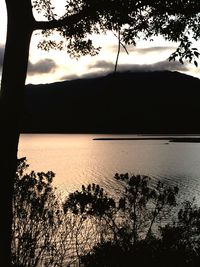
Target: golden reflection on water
{"x": 77, "y": 159}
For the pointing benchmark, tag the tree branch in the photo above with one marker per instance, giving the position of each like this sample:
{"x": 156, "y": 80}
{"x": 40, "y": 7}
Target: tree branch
{"x": 52, "y": 24}
{"x": 118, "y": 51}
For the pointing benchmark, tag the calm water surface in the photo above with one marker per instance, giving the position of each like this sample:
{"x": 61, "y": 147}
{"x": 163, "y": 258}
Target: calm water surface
{"x": 77, "y": 159}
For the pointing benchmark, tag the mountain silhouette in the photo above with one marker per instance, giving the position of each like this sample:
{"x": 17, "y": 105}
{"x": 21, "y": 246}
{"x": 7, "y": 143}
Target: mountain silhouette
{"x": 127, "y": 102}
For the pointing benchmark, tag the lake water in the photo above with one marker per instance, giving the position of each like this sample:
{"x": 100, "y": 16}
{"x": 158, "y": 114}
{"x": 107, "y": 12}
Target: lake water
{"x": 78, "y": 159}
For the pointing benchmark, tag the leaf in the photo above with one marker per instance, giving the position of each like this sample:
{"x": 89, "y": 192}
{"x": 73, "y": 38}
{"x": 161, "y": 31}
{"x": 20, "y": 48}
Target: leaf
{"x": 195, "y": 63}
{"x": 196, "y": 54}
{"x": 181, "y": 60}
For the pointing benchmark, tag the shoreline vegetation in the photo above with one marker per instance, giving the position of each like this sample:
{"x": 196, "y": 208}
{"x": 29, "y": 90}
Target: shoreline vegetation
{"x": 143, "y": 224}
{"x": 176, "y": 139}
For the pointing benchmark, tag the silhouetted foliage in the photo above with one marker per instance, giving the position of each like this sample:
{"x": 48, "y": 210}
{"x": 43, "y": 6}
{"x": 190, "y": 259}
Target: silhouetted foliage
{"x": 36, "y": 218}
{"x": 143, "y": 206}
{"x": 42, "y": 234}
{"x": 181, "y": 239}
{"x": 90, "y": 201}
{"x": 141, "y": 227}
{"x": 92, "y": 229}
{"x": 177, "y": 21}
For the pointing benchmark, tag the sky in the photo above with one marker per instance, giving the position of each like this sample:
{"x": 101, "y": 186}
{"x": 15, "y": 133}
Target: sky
{"x": 48, "y": 67}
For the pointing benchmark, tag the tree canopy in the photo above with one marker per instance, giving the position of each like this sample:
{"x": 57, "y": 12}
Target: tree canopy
{"x": 176, "y": 21}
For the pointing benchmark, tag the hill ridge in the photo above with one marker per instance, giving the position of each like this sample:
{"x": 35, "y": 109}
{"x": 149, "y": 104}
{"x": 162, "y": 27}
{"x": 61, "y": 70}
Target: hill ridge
{"x": 127, "y": 102}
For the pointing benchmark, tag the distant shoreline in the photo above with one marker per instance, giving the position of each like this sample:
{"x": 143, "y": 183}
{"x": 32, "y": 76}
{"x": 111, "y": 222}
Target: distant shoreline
{"x": 170, "y": 139}
{"x": 186, "y": 140}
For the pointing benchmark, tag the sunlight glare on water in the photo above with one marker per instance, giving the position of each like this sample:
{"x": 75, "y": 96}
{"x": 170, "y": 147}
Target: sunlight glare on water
{"x": 78, "y": 159}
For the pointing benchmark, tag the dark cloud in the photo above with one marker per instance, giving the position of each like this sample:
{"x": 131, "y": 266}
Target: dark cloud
{"x": 95, "y": 74}
{"x": 1, "y": 55}
{"x": 158, "y": 66}
{"x": 153, "y": 49}
{"x": 92, "y": 74}
{"x": 99, "y": 68}
{"x": 97, "y": 71}
{"x": 104, "y": 66}
{"x": 42, "y": 66}
{"x": 69, "y": 77}
{"x": 143, "y": 51}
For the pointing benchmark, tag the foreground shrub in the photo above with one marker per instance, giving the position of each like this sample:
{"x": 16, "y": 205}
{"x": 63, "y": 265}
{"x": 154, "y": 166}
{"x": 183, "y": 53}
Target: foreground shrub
{"x": 135, "y": 215}
{"x": 91, "y": 229}
{"x": 180, "y": 239}
{"x": 43, "y": 235}
{"x": 45, "y": 232}
{"x": 140, "y": 226}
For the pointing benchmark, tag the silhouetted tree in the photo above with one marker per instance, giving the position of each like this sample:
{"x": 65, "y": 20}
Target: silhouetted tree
{"x": 145, "y": 230}
{"x": 144, "y": 206}
{"x": 134, "y": 216}
{"x": 81, "y": 19}
{"x": 178, "y": 21}
{"x": 129, "y": 226}
{"x": 94, "y": 204}
{"x": 43, "y": 233}
{"x": 180, "y": 239}
{"x": 92, "y": 229}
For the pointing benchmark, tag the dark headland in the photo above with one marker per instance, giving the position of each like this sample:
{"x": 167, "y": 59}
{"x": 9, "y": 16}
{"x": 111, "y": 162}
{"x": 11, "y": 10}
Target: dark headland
{"x": 129, "y": 102}
{"x": 172, "y": 139}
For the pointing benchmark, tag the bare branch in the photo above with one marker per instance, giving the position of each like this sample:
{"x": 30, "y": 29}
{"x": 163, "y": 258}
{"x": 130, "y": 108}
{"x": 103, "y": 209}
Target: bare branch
{"x": 123, "y": 45}
{"x": 118, "y": 51}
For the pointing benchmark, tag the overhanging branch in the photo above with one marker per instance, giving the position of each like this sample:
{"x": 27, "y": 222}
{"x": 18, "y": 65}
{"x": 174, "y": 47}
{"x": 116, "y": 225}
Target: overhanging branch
{"x": 72, "y": 19}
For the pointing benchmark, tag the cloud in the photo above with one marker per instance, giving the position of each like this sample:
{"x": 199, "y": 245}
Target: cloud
{"x": 104, "y": 66}
{"x": 158, "y": 66}
{"x": 42, "y": 66}
{"x": 153, "y": 49}
{"x": 143, "y": 51}
{"x": 94, "y": 74}
{"x": 69, "y": 77}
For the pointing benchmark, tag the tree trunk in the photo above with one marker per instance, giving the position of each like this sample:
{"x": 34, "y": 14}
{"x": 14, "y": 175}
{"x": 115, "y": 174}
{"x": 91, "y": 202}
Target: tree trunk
{"x": 19, "y": 31}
